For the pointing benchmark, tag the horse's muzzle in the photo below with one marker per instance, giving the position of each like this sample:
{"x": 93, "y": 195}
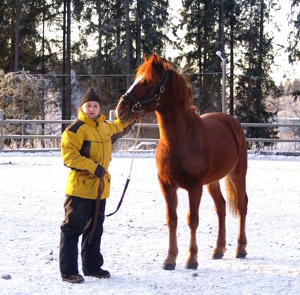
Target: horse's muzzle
{"x": 122, "y": 112}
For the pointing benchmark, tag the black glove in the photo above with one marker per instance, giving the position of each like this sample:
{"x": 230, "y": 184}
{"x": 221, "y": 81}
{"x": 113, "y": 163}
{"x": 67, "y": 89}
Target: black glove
{"x": 100, "y": 171}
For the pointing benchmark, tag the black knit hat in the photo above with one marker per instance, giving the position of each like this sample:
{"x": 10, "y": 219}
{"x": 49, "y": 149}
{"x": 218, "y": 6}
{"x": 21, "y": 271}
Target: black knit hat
{"x": 90, "y": 95}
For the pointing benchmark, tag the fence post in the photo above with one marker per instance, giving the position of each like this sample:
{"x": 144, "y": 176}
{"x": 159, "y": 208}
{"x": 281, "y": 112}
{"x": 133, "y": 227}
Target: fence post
{"x": 112, "y": 115}
{"x": 1, "y": 129}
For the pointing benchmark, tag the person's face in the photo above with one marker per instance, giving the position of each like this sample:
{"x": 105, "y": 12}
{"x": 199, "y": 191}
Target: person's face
{"x": 91, "y": 108}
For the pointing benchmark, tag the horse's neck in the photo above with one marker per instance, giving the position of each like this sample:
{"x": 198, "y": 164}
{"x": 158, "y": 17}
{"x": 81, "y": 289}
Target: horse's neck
{"x": 171, "y": 128}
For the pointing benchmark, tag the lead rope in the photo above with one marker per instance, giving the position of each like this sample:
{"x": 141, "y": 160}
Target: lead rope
{"x": 135, "y": 144}
{"x": 129, "y": 175}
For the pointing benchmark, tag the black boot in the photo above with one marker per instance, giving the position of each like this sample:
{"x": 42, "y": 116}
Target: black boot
{"x": 101, "y": 274}
{"x": 74, "y": 279}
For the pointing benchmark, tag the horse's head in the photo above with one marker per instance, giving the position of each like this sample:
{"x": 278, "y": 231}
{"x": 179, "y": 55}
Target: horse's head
{"x": 145, "y": 93}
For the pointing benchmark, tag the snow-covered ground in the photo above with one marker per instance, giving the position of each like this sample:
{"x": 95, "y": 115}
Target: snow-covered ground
{"x": 135, "y": 239}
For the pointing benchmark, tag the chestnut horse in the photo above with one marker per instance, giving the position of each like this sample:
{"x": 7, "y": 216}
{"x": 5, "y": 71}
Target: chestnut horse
{"x": 192, "y": 151}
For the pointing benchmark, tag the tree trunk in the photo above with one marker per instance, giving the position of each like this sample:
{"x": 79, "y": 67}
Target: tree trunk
{"x": 222, "y": 47}
{"x": 231, "y": 77}
{"x": 66, "y": 81}
{"x": 99, "y": 10}
{"x": 138, "y": 32}
{"x": 43, "y": 40}
{"x": 118, "y": 48}
{"x": 68, "y": 63}
{"x": 260, "y": 61}
{"x": 128, "y": 80}
{"x": 17, "y": 36}
{"x": 63, "y": 92}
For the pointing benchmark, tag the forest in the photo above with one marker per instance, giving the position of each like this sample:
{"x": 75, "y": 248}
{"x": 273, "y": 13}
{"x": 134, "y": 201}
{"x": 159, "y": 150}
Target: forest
{"x": 52, "y": 51}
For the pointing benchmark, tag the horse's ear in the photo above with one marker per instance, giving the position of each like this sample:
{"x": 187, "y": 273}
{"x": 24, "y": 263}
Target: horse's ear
{"x": 145, "y": 57}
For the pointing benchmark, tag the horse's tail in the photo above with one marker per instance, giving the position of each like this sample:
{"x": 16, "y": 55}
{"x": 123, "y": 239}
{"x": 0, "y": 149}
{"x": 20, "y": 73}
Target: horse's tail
{"x": 231, "y": 196}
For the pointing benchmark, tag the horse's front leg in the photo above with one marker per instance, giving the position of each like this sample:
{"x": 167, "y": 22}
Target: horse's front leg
{"x": 170, "y": 196}
{"x": 193, "y": 222}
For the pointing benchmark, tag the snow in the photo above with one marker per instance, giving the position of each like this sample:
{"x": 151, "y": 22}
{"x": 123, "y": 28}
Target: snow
{"x": 135, "y": 240}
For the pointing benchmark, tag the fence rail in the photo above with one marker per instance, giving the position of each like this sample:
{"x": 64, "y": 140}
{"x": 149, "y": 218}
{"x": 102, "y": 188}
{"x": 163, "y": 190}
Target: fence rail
{"x": 4, "y": 122}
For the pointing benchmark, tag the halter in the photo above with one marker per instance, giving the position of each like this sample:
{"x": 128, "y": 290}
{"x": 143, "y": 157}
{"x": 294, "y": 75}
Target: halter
{"x": 153, "y": 95}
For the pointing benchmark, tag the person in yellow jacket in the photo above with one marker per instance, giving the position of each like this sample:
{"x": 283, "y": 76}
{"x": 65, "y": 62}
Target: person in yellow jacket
{"x": 86, "y": 148}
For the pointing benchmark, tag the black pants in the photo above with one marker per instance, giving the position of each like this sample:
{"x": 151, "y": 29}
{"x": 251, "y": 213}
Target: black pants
{"x": 79, "y": 219}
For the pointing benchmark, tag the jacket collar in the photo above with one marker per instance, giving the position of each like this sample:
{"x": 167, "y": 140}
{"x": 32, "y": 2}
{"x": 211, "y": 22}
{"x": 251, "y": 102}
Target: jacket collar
{"x": 86, "y": 119}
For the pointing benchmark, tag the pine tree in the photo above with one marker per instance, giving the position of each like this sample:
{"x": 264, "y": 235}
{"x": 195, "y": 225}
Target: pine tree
{"x": 152, "y": 18}
{"x": 201, "y": 19}
{"x": 232, "y": 13}
{"x": 5, "y": 35}
{"x": 294, "y": 37}
{"x": 255, "y": 83}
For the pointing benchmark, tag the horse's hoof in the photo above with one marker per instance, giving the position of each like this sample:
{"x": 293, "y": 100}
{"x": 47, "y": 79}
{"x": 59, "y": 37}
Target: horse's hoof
{"x": 240, "y": 255}
{"x": 191, "y": 265}
{"x": 168, "y": 266}
{"x": 217, "y": 256}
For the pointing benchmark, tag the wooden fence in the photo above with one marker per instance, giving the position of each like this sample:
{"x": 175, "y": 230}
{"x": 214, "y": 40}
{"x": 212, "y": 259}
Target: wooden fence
{"x": 56, "y": 137}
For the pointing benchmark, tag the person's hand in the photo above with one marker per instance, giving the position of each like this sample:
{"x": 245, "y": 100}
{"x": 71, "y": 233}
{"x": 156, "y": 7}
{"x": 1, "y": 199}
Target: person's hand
{"x": 100, "y": 171}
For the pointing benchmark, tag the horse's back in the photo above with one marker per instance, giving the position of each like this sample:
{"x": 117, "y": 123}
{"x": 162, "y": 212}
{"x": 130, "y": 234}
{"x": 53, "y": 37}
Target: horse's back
{"x": 220, "y": 125}
{"x": 212, "y": 118}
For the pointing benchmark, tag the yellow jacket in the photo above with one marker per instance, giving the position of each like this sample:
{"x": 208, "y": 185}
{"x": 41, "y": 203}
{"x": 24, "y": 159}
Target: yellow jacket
{"x": 85, "y": 144}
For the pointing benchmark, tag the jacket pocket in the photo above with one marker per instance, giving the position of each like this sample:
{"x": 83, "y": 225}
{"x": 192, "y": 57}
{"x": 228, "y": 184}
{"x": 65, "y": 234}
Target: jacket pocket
{"x": 88, "y": 185}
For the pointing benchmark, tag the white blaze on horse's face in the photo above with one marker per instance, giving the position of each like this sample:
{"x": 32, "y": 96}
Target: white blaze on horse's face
{"x": 136, "y": 81}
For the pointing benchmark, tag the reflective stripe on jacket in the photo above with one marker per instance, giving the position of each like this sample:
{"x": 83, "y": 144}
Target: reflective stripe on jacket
{"x": 85, "y": 144}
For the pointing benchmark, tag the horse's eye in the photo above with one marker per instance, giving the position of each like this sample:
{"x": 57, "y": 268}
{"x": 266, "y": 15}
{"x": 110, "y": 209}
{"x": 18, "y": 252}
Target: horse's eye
{"x": 145, "y": 83}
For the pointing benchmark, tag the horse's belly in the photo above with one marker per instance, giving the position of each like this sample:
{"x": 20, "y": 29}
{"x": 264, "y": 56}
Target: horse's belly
{"x": 181, "y": 175}
{"x": 215, "y": 177}
{"x": 221, "y": 165}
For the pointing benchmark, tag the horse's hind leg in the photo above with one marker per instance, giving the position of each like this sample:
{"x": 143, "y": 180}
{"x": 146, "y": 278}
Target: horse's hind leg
{"x": 220, "y": 207}
{"x": 238, "y": 183}
{"x": 193, "y": 222}
{"x": 242, "y": 239}
{"x": 242, "y": 212}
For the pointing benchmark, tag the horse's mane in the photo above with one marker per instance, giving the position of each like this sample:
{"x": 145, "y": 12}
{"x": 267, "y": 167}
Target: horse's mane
{"x": 152, "y": 69}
